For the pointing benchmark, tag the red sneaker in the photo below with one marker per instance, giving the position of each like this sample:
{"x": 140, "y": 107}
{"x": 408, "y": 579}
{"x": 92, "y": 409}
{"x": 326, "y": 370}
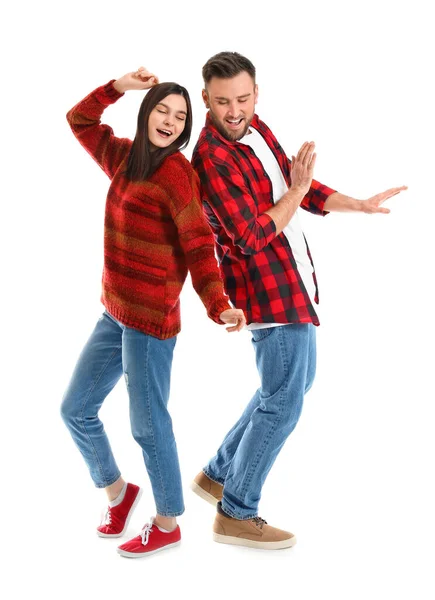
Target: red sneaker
{"x": 150, "y": 540}
{"x": 116, "y": 519}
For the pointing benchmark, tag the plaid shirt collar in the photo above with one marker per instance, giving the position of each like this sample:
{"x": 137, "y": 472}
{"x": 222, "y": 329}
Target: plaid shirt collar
{"x": 264, "y": 131}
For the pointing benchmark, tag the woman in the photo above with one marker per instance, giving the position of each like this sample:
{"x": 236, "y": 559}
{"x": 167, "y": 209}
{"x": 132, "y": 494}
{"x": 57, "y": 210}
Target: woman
{"x": 154, "y": 232}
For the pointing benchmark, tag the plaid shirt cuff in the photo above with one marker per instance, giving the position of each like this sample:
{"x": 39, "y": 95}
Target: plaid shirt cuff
{"x": 269, "y": 227}
{"x": 314, "y": 201}
{"x": 265, "y": 232}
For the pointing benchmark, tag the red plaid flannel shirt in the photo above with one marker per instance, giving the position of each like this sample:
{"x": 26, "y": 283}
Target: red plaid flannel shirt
{"x": 258, "y": 267}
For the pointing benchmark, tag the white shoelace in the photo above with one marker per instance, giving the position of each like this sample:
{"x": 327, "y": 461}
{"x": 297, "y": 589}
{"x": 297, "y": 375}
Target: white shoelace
{"x": 145, "y": 533}
{"x": 107, "y": 518}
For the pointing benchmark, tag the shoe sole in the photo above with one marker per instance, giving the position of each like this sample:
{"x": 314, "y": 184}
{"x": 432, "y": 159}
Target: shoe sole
{"x": 203, "y": 494}
{"x": 126, "y": 554}
{"x": 236, "y": 541}
{"x": 130, "y": 512}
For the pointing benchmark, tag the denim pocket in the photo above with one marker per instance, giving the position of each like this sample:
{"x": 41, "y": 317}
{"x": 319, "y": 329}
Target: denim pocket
{"x": 261, "y": 334}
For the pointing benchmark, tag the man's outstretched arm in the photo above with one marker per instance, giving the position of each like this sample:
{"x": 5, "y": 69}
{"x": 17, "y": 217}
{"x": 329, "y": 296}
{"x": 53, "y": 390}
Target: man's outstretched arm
{"x": 340, "y": 203}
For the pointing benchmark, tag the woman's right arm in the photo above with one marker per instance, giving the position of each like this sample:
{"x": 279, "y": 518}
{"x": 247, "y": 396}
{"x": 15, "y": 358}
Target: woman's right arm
{"x": 85, "y": 120}
{"x": 196, "y": 240}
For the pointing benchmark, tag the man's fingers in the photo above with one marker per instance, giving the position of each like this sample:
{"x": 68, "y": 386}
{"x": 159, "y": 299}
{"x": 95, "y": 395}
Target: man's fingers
{"x": 306, "y": 158}
{"x": 391, "y": 195}
{"x": 301, "y": 150}
{"x": 380, "y": 198}
{"x": 375, "y": 209}
{"x": 392, "y": 192}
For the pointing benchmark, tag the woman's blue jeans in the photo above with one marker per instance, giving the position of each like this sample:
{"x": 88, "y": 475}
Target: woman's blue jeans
{"x": 286, "y": 362}
{"x": 111, "y": 351}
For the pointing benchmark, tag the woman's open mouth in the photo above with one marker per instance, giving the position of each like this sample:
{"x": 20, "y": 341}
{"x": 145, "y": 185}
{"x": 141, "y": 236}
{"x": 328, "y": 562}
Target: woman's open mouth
{"x": 165, "y": 133}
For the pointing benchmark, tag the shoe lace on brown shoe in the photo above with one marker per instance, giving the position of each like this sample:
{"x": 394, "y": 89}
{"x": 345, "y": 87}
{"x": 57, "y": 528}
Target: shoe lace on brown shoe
{"x": 259, "y": 522}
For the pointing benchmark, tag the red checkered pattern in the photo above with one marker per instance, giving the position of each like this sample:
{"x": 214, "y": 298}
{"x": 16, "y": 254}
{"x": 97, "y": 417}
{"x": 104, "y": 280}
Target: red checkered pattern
{"x": 258, "y": 266}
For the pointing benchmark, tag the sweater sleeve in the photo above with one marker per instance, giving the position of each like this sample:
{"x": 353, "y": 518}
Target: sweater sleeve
{"x": 98, "y": 139}
{"x": 197, "y": 242}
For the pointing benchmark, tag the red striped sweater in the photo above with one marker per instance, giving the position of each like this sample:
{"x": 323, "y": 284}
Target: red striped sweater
{"x": 154, "y": 230}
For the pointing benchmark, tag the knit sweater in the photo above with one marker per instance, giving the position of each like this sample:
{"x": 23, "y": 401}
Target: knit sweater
{"x": 154, "y": 230}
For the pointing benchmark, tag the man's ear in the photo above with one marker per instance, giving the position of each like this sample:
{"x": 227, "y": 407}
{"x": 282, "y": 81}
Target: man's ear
{"x": 205, "y": 98}
{"x": 255, "y": 94}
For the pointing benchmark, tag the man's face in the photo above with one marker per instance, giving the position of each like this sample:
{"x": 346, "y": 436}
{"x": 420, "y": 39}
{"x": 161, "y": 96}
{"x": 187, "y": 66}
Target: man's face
{"x": 232, "y": 104}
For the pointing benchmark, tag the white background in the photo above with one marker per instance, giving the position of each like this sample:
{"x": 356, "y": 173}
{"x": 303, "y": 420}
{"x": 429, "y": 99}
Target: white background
{"x": 355, "y": 480}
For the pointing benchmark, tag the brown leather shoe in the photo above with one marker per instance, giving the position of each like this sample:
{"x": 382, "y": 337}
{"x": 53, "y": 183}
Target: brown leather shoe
{"x": 254, "y": 533}
{"x": 207, "y": 489}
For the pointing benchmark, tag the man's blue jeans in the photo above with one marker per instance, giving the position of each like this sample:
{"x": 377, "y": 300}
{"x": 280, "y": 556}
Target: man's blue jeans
{"x": 286, "y": 361}
{"x": 111, "y": 351}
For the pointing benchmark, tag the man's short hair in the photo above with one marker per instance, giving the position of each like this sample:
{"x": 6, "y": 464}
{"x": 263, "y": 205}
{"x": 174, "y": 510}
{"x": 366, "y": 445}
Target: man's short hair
{"x": 225, "y": 65}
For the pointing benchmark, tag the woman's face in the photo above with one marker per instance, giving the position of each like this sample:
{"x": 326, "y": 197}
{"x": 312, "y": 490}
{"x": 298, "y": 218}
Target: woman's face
{"x": 167, "y": 120}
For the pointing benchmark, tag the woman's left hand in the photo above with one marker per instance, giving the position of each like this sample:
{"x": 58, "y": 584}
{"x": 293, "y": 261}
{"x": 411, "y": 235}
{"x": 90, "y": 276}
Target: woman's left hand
{"x": 233, "y": 316}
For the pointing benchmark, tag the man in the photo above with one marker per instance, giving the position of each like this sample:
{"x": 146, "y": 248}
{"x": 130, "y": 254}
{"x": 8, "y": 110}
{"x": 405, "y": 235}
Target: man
{"x": 251, "y": 193}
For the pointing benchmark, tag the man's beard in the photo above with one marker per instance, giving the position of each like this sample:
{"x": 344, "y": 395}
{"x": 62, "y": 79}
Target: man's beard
{"x": 231, "y": 136}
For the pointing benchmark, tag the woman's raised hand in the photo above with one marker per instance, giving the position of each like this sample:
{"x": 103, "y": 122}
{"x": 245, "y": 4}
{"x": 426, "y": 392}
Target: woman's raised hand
{"x": 141, "y": 79}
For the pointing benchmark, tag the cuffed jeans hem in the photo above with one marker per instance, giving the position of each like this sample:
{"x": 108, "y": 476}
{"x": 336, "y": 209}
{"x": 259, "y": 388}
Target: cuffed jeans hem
{"x": 170, "y": 514}
{"x": 233, "y": 515}
{"x": 109, "y": 482}
{"x": 212, "y": 477}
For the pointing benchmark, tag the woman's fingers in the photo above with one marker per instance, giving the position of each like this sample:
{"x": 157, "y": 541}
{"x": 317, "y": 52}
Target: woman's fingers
{"x": 235, "y": 317}
{"x": 146, "y": 76}
{"x": 237, "y": 327}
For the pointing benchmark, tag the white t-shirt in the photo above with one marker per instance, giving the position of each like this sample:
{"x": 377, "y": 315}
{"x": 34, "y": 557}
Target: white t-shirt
{"x": 293, "y": 230}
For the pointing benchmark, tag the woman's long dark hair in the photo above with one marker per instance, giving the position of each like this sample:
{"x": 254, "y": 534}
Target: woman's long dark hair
{"x": 142, "y": 162}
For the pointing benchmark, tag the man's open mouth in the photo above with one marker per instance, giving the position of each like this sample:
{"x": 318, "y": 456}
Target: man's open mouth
{"x": 234, "y": 122}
